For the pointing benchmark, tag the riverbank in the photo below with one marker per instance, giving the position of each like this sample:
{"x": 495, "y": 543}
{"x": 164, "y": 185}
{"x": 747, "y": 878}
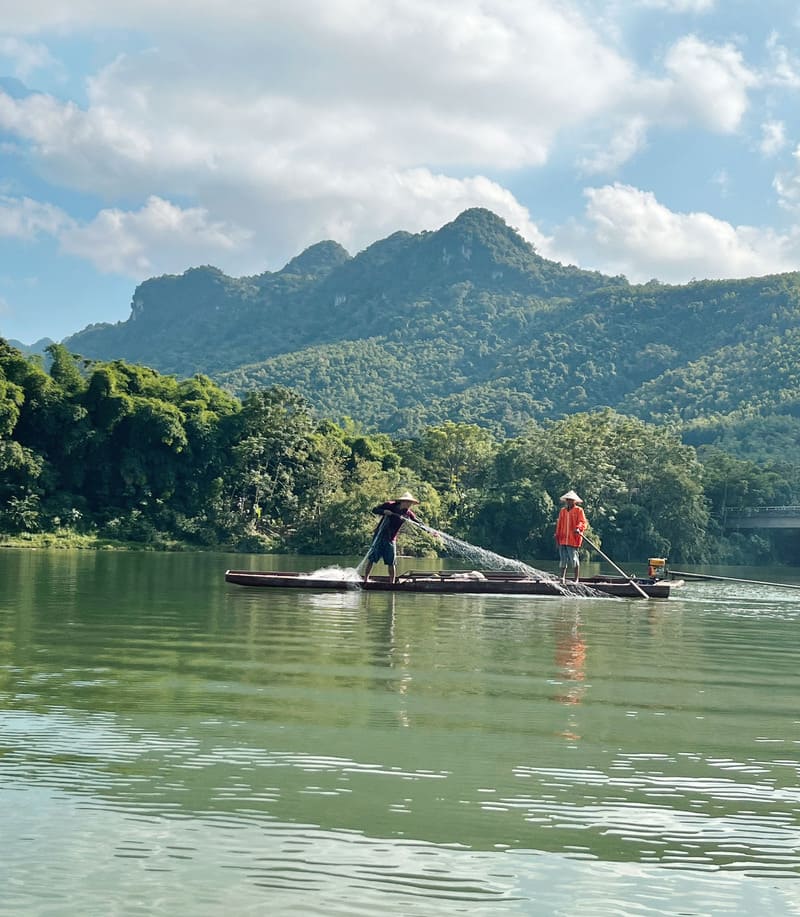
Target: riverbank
{"x": 91, "y": 542}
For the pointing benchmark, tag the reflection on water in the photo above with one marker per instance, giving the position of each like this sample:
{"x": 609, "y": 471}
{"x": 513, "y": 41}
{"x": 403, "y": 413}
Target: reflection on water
{"x": 570, "y": 659}
{"x": 172, "y": 744}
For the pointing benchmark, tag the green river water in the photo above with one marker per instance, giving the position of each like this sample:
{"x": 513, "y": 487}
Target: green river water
{"x": 171, "y": 744}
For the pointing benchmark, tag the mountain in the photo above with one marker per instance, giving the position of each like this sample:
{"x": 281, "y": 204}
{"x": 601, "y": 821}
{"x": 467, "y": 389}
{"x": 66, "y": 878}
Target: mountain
{"x": 206, "y": 321}
{"x": 38, "y": 347}
{"x": 469, "y": 323}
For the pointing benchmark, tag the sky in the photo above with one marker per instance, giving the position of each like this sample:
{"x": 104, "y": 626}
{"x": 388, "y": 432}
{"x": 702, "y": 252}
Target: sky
{"x": 659, "y": 139}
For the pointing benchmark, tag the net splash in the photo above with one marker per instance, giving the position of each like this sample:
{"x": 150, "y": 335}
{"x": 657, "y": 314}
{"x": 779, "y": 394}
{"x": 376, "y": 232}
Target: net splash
{"x": 345, "y": 574}
{"x": 489, "y": 560}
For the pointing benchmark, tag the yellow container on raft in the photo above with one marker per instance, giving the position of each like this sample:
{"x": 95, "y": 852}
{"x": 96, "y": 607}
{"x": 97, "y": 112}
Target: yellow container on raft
{"x": 656, "y": 567}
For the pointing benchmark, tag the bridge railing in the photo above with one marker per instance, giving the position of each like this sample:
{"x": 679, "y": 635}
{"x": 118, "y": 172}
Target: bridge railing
{"x": 763, "y": 511}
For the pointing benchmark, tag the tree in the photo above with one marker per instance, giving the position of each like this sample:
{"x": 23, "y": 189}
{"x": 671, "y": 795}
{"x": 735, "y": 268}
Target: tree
{"x": 641, "y": 486}
{"x": 64, "y": 370}
{"x": 274, "y": 468}
{"x": 23, "y": 479}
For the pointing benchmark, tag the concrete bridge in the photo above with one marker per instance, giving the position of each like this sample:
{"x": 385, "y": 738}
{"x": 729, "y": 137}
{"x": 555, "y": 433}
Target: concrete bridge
{"x": 763, "y": 517}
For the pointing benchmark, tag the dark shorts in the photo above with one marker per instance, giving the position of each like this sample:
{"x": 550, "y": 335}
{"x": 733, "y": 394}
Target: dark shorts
{"x": 383, "y": 550}
{"x": 568, "y": 555}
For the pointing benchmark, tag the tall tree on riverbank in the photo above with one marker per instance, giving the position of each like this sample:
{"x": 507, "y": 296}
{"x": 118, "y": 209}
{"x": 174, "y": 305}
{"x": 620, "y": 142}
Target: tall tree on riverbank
{"x": 641, "y": 486}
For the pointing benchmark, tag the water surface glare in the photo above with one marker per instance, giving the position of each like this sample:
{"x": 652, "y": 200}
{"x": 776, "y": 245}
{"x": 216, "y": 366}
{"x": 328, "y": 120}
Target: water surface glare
{"x": 171, "y": 744}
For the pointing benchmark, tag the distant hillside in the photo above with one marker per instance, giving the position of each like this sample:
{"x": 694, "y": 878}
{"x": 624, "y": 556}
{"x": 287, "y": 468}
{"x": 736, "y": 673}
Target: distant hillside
{"x": 469, "y": 323}
{"x": 38, "y": 347}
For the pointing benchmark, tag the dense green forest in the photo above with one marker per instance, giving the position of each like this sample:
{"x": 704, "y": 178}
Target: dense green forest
{"x": 469, "y": 324}
{"x": 124, "y": 452}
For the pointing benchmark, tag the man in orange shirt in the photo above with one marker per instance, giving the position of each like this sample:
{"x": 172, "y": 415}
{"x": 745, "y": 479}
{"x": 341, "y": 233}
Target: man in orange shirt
{"x": 570, "y": 527}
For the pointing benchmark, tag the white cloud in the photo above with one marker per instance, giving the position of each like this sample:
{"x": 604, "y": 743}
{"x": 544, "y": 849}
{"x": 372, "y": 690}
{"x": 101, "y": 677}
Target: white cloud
{"x": 457, "y": 83}
{"x": 708, "y": 84}
{"x": 625, "y": 143}
{"x": 275, "y": 125}
{"x": 23, "y": 218}
{"x": 84, "y": 148}
{"x": 785, "y": 66}
{"x": 160, "y": 237}
{"x": 628, "y": 231}
{"x": 679, "y": 6}
{"x": 235, "y": 121}
{"x": 705, "y": 86}
{"x": 773, "y": 137}
{"x": 26, "y": 57}
{"x": 722, "y": 179}
{"x": 156, "y": 239}
{"x": 787, "y": 185}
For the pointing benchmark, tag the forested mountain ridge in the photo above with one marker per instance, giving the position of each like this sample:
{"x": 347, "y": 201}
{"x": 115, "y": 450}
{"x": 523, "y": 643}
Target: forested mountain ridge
{"x": 661, "y": 353}
{"x": 206, "y": 321}
{"x": 468, "y": 323}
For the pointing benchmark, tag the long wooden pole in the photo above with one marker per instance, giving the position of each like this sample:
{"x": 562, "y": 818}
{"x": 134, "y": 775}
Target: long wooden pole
{"x": 733, "y": 579}
{"x": 630, "y": 579}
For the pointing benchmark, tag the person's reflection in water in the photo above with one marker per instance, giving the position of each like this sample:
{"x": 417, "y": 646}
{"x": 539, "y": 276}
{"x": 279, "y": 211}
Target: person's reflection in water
{"x": 389, "y": 651}
{"x": 402, "y": 662}
{"x": 570, "y": 660}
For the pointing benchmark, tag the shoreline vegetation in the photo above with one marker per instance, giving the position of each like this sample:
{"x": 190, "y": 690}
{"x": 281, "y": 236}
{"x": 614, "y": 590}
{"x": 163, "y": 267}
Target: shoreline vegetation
{"x": 91, "y": 542}
{"x": 116, "y": 456}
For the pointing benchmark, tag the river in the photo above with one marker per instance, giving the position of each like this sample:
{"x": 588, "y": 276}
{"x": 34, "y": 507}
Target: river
{"x": 171, "y": 744}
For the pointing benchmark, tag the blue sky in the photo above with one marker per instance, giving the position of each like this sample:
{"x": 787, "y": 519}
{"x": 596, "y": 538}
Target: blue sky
{"x": 651, "y": 138}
